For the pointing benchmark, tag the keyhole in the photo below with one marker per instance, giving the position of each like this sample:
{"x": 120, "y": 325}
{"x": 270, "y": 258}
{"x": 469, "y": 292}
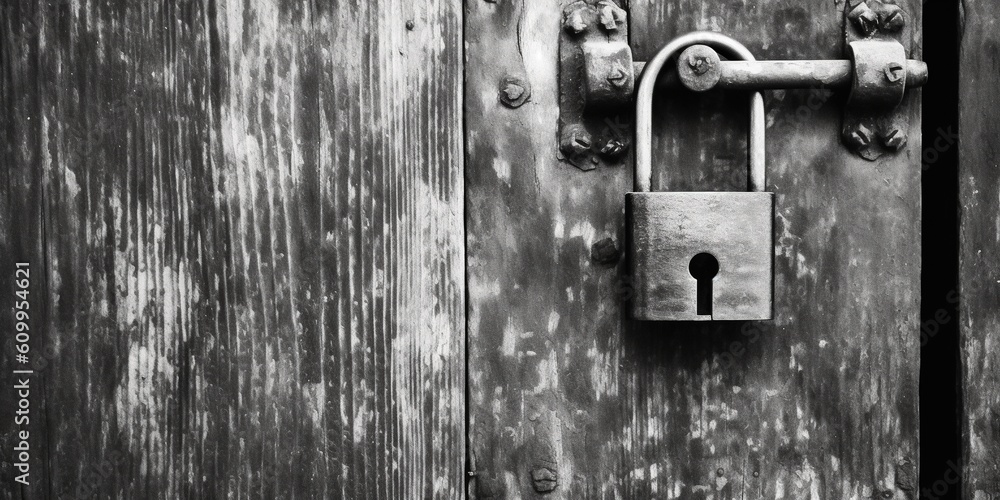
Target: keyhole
{"x": 704, "y": 267}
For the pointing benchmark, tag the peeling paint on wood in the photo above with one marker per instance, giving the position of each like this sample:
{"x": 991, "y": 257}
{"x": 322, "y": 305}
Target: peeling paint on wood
{"x": 247, "y": 222}
{"x": 979, "y": 246}
{"x": 819, "y": 403}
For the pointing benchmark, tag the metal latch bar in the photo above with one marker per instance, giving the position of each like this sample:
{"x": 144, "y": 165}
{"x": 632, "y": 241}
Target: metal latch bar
{"x": 700, "y": 72}
{"x": 597, "y": 79}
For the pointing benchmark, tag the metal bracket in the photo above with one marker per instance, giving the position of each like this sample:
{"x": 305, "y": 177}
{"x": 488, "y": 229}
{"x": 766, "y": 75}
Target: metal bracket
{"x": 596, "y": 81}
{"x": 873, "y": 34}
{"x": 597, "y": 77}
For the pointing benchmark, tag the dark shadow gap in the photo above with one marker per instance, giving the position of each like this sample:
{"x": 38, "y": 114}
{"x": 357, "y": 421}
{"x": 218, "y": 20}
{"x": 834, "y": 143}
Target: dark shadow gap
{"x": 940, "y": 393}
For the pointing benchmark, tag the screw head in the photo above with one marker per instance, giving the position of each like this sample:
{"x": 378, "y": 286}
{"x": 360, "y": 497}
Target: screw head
{"x": 613, "y": 149}
{"x": 544, "y": 479}
{"x": 894, "y": 139}
{"x": 410, "y": 25}
{"x": 608, "y": 19}
{"x": 610, "y": 15}
{"x": 893, "y": 19}
{"x": 864, "y": 19}
{"x": 894, "y": 72}
{"x": 574, "y": 21}
{"x": 700, "y": 58}
{"x": 698, "y": 64}
{"x": 513, "y": 91}
{"x": 605, "y": 251}
{"x": 859, "y": 137}
{"x": 575, "y": 141}
{"x": 698, "y": 67}
{"x": 616, "y": 76}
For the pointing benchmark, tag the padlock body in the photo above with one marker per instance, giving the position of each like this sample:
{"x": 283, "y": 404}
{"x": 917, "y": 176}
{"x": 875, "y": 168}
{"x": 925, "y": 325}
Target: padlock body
{"x": 667, "y": 229}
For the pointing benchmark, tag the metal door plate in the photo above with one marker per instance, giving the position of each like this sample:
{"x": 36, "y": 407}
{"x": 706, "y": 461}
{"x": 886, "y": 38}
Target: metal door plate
{"x": 874, "y": 31}
{"x": 596, "y": 82}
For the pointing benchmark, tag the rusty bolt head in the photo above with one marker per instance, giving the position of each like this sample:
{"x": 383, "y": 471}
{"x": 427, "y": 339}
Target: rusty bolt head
{"x": 608, "y": 19}
{"x": 575, "y": 141}
{"x": 894, "y": 72}
{"x": 859, "y": 138}
{"x": 574, "y": 21}
{"x": 513, "y": 91}
{"x": 610, "y": 15}
{"x": 698, "y": 67}
{"x": 892, "y": 19}
{"x": 616, "y": 76}
{"x": 613, "y": 149}
{"x": 700, "y": 58}
{"x": 544, "y": 479}
{"x": 864, "y": 19}
{"x": 605, "y": 251}
{"x": 894, "y": 139}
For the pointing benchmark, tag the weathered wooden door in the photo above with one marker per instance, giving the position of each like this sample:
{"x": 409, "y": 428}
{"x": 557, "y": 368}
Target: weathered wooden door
{"x": 303, "y": 249}
{"x": 975, "y": 138}
{"x": 570, "y": 398}
{"x": 243, "y": 224}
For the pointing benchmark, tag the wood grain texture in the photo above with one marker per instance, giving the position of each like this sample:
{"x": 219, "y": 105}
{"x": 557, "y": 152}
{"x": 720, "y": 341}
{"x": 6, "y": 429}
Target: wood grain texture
{"x": 246, "y": 219}
{"x": 979, "y": 246}
{"x": 565, "y": 389}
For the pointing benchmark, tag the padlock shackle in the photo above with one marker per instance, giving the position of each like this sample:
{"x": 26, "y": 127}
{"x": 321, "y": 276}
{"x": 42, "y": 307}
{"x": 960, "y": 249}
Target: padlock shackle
{"x": 644, "y": 109}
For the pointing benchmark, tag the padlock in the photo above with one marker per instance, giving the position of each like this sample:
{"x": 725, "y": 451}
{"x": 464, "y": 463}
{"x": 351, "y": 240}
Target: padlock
{"x": 700, "y": 255}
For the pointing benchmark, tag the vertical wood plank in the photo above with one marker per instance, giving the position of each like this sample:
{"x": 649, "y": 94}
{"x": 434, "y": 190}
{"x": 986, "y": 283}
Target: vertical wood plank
{"x": 22, "y": 217}
{"x": 979, "y": 246}
{"x": 249, "y": 220}
{"x": 819, "y": 403}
